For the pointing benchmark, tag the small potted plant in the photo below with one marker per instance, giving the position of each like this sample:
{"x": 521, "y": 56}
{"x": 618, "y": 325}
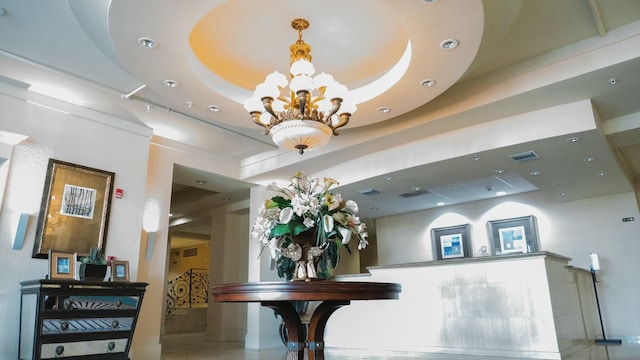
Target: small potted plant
{"x": 93, "y": 266}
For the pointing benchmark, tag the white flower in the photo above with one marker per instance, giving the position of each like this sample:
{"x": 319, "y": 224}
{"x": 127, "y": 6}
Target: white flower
{"x": 346, "y": 235}
{"x": 352, "y": 206}
{"x": 327, "y": 223}
{"x": 285, "y": 215}
{"x": 308, "y": 222}
{"x": 363, "y": 244}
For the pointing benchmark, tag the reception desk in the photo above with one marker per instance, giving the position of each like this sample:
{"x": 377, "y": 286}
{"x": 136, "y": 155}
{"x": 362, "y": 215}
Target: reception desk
{"x": 528, "y": 305}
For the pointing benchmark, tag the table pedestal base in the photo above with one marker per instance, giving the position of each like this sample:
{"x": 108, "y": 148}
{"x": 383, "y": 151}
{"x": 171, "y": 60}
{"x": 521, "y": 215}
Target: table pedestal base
{"x": 315, "y": 336}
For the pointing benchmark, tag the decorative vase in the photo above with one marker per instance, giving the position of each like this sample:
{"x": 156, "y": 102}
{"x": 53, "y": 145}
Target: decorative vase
{"x": 92, "y": 272}
{"x": 308, "y": 261}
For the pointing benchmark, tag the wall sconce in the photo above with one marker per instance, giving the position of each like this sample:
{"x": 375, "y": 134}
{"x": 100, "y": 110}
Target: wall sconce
{"x": 151, "y": 239}
{"x": 595, "y": 262}
{"x": 21, "y": 231}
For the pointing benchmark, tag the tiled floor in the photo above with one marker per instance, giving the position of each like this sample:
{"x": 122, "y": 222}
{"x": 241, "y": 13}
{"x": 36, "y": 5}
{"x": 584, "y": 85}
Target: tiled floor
{"x": 193, "y": 347}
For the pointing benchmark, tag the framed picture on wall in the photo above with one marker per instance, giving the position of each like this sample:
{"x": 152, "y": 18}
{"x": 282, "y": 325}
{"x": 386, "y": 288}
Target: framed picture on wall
{"x": 451, "y": 242}
{"x": 74, "y": 213}
{"x": 513, "y": 236}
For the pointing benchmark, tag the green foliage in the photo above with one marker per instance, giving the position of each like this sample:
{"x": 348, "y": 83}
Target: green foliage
{"x": 293, "y": 227}
{"x": 285, "y": 267}
{"x": 95, "y": 256}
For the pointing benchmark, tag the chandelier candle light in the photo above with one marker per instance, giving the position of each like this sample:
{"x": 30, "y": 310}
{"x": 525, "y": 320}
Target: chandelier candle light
{"x": 313, "y": 109}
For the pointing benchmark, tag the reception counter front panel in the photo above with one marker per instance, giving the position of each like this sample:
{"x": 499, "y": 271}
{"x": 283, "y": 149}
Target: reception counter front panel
{"x": 527, "y": 305}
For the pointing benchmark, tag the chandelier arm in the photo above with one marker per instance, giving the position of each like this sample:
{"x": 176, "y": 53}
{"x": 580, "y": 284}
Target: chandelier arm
{"x": 266, "y": 102}
{"x": 337, "y": 102}
{"x": 255, "y": 116}
{"x": 344, "y": 120}
{"x": 284, "y": 100}
{"x": 302, "y": 100}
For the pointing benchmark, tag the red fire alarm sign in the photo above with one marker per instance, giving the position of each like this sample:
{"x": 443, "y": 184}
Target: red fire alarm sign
{"x": 119, "y": 193}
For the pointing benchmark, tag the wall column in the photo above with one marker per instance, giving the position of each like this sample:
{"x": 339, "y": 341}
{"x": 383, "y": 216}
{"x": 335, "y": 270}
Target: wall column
{"x": 262, "y": 325}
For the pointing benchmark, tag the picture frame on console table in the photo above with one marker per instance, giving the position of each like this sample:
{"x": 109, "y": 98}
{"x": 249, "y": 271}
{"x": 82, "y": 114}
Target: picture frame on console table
{"x": 62, "y": 265}
{"x": 451, "y": 242}
{"x": 74, "y": 212}
{"x": 513, "y": 236}
{"x": 119, "y": 270}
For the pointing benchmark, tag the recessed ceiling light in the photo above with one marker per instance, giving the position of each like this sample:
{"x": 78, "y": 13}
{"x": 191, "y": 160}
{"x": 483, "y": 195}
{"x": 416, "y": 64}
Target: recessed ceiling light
{"x": 602, "y": 173}
{"x": 189, "y": 104}
{"x": 200, "y": 182}
{"x": 170, "y": 214}
{"x": 613, "y": 81}
{"x": 449, "y": 44}
{"x": 573, "y": 139}
{"x": 475, "y": 158}
{"x": 388, "y": 177}
{"x": 589, "y": 159}
{"x": 146, "y": 42}
{"x": 213, "y": 108}
{"x": 440, "y": 203}
{"x": 500, "y": 193}
{"x": 416, "y": 188}
{"x": 170, "y": 83}
{"x": 383, "y": 110}
{"x": 427, "y": 82}
{"x": 499, "y": 171}
{"x": 534, "y": 173}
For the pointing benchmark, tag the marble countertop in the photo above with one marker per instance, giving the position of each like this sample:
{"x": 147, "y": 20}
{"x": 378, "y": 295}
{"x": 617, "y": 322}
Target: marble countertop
{"x": 509, "y": 257}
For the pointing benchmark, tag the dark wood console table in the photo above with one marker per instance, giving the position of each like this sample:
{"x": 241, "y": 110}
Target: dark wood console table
{"x": 78, "y": 319}
{"x": 332, "y": 294}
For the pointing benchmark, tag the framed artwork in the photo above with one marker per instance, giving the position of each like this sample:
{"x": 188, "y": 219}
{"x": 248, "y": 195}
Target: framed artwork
{"x": 513, "y": 236}
{"x": 451, "y": 242}
{"x": 119, "y": 270}
{"x": 62, "y": 265}
{"x": 74, "y": 212}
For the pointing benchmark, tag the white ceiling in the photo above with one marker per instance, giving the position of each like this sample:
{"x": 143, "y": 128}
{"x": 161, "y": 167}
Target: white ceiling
{"x": 515, "y": 59}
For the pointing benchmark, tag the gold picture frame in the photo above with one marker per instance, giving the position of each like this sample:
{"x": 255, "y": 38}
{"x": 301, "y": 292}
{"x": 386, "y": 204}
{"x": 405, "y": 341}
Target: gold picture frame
{"x": 74, "y": 212}
{"x": 62, "y": 265}
{"x": 119, "y": 270}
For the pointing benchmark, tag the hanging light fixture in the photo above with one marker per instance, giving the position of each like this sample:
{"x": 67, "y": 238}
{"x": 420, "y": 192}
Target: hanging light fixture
{"x": 310, "y": 112}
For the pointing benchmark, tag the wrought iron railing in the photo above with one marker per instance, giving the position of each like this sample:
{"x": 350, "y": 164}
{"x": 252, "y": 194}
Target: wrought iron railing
{"x": 191, "y": 287}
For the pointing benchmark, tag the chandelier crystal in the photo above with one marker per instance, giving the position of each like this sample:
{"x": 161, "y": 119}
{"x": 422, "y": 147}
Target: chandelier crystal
{"x": 312, "y": 109}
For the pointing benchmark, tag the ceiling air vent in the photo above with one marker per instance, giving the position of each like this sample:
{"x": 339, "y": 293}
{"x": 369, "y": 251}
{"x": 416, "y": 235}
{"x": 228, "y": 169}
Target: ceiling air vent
{"x": 369, "y": 192}
{"x": 414, "y": 193}
{"x": 524, "y": 156}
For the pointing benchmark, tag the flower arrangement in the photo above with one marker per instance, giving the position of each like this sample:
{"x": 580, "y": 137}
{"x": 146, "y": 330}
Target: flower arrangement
{"x": 306, "y": 207}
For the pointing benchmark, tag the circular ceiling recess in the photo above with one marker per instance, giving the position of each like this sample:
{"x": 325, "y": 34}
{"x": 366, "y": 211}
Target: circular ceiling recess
{"x": 220, "y": 51}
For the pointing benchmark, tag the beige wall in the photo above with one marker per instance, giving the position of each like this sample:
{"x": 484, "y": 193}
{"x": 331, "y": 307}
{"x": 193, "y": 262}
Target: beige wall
{"x": 162, "y": 157}
{"x": 179, "y": 264}
{"x": 573, "y": 229}
{"x": 73, "y": 138}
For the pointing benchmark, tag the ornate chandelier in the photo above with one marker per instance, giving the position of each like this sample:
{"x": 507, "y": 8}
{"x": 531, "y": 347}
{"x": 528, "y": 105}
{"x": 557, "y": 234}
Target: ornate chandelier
{"x": 313, "y": 109}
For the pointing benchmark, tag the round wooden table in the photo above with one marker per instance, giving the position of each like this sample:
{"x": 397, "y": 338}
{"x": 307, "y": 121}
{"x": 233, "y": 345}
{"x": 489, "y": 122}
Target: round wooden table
{"x": 278, "y": 296}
